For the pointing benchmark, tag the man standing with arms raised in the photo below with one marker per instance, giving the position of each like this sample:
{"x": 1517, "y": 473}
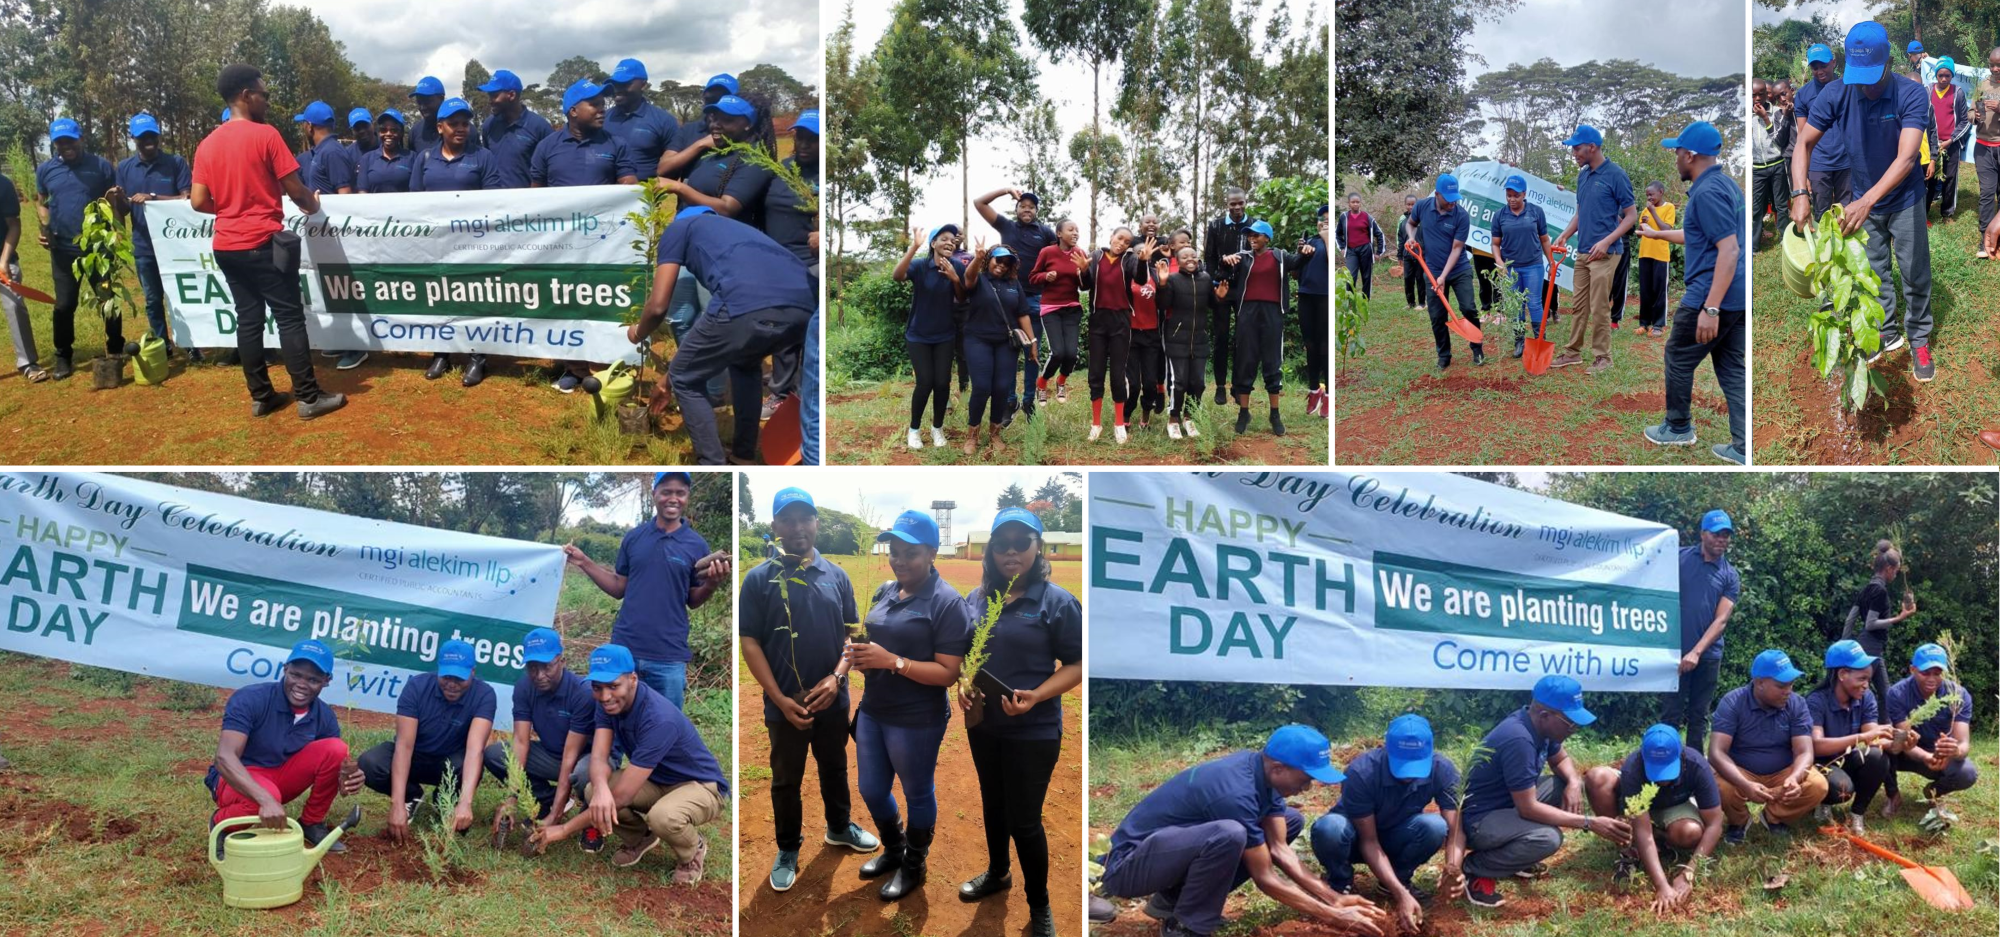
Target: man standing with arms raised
{"x": 1025, "y": 235}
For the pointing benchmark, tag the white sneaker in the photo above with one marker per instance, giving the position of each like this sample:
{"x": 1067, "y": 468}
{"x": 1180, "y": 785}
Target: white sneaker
{"x": 1856, "y": 825}
{"x": 1888, "y": 347}
{"x": 916, "y": 440}
{"x": 1118, "y": 433}
{"x": 1173, "y": 430}
{"x": 1096, "y": 430}
{"x": 1188, "y": 427}
{"x": 937, "y": 436}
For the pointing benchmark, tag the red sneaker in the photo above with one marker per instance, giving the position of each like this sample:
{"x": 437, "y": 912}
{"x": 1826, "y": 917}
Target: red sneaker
{"x": 593, "y": 840}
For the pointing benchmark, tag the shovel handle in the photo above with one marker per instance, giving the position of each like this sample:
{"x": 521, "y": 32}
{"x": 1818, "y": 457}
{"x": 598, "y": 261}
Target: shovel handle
{"x": 1450, "y": 313}
{"x": 1868, "y": 847}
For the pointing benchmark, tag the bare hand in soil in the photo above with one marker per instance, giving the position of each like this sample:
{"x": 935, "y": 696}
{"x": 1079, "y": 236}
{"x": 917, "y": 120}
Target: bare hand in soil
{"x": 1362, "y": 919}
{"x": 603, "y": 809}
{"x": 539, "y": 839}
{"x": 1777, "y": 881}
{"x": 399, "y": 825}
{"x": 503, "y": 822}
{"x": 1410, "y": 914}
{"x": 461, "y": 819}
{"x": 1671, "y": 896}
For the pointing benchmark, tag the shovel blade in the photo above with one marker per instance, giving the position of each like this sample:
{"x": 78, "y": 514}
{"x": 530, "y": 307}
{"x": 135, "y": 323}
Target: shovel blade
{"x": 1536, "y": 354}
{"x": 27, "y": 292}
{"x": 1464, "y": 329}
{"x": 1938, "y": 887}
{"x": 781, "y": 442}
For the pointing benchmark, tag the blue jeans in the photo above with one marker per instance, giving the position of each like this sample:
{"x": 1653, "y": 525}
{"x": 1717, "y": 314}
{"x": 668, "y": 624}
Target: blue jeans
{"x": 156, "y": 295}
{"x": 991, "y": 364}
{"x": 1408, "y": 845}
{"x": 668, "y": 677}
{"x": 681, "y": 316}
{"x": 809, "y": 394}
{"x": 1031, "y": 369}
{"x": 1529, "y": 281}
{"x": 885, "y": 754}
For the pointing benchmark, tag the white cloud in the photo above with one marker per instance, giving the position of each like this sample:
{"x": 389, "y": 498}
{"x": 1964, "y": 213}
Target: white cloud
{"x": 890, "y": 493}
{"x": 1694, "y": 38}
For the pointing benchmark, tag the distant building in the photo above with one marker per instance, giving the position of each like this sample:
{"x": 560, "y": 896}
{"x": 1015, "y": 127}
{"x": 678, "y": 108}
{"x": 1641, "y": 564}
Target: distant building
{"x": 1061, "y": 546}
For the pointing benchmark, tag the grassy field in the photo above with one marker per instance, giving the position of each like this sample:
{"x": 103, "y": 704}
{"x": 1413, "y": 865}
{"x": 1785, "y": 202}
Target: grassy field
{"x": 1799, "y": 419}
{"x": 1393, "y": 407}
{"x": 1833, "y": 887}
{"x": 103, "y": 826}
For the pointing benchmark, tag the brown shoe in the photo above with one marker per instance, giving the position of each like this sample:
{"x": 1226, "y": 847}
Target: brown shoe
{"x": 689, "y": 870}
{"x": 1991, "y": 437}
{"x": 1565, "y": 360}
{"x": 1601, "y": 364}
{"x": 629, "y": 854}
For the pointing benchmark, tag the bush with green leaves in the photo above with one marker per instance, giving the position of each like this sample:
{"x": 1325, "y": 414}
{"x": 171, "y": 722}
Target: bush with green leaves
{"x": 1350, "y": 316}
{"x": 104, "y": 265}
{"x": 1846, "y": 333}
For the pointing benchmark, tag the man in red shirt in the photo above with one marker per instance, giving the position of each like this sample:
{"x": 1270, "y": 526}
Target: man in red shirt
{"x": 1257, "y": 278}
{"x": 239, "y": 172}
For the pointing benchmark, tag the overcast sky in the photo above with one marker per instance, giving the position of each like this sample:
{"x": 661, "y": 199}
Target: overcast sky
{"x": 682, "y": 40}
{"x": 1694, "y": 38}
{"x": 892, "y": 493}
{"x": 1845, "y": 12}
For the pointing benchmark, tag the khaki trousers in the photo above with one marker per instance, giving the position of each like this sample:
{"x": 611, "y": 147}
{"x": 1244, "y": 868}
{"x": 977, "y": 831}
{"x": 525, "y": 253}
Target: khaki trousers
{"x": 1593, "y": 306}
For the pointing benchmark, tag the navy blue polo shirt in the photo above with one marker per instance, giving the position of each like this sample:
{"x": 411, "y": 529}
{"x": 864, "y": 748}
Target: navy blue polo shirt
{"x": 931, "y": 299}
{"x": 742, "y": 268}
{"x": 1372, "y": 790}
{"x": 684, "y": 138}
{"x": 1714, "y": 212}
{"x": 274, "y": 733}
{"x": 1436, "y": 231}
{"x": 1602, "y": 195}
{"x": 1313, "y": 273}
{"x": 555, "y": 714}
{"x": 658, "y": 567}
{"x": 1034, "y": 635}
{"x": 1761, "y": 737}
{"x": 1518, "y": 754}
{"x": 931, "y": 622}
{"x": 10, "y": 199}
{"x": 1026, "y": 241}
{"x": 1696, "y": 783}
{"x": 597, "y": 158}
{"x": 379, "y": 173}
{"x": 442, "y": 726}
{"x": 785, "y": 220}
{"x": 1229, "y": 788}
{"x": 655, "y": 735}
{"x": 716, "y": 175}
{"x": 1837, "y": 721}
{"x": 473, "y": 168}
{"x": 67, "y": 189}
{"x": 512, "y": 145}
{"x": 332, "y": 167}
{"x": 645, "y": 130}
{"x": 1830, "y": 153}
{"x": 1520, "y": 236}
{"x": 166, "y": 175}
{"x": 1703, "y": 586}
{"x": 997, "y": 306}
{"x": 1871, "y": 132}
{"x": 424, "y": 133}
{"x": 804, "y": 646}
{"x": 306, "y": 167}
{"x": 1904, "y": 698}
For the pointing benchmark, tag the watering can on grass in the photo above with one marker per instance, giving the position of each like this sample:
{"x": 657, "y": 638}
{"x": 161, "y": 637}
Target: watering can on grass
{"x": 267, "y": 868}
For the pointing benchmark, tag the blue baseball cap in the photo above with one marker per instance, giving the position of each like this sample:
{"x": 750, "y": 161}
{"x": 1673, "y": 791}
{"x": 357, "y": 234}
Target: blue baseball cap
{"x": 1447, "y": 187}
{"x": 1516, "y": 183}
{"x": 731, "y": 104}
{"x": 809, "y": 122}
{"x": 141, "y": 124}
{"x": 225, "y": 115}
{"x": 359, "y": 115}
{"x": 1585, "y": 134}
{"x": 448, "y": 108}
{"x": 427, "y": 85}
{"x": 1261, "y": 227}
{"x": 685, "y": 477}
{"x": 628, "y": 70}
{"x": 1717, "y": 521}
{"x": 502, "y": 80}
{"x": 1304, "y": 748}
{"x": 1867, "y": 53}
{"x": 397, "y": 115}
{"x": 1564, "y": 695}
{"x": 789, "y": 496}
{"x": 693, "y": 211}
{"x": 542, "y": 645}
{"x": 610, "y": 662}
{"x": 583, "y": 89}
{"x": 1700, "y": 138}
{"x": 1819, "y": 53}
{"x": 1847, "y": 654}
{"x": 725, "y": 80}
{"x": 1025, "y": 196}
{"x": 1022, "y": 516}
{"x": 1322, "y": 209}
{"x": 1947, "y": 65}
{"x": 1774, "y": 665}
{"x": 1660, "y": 751}
{"x": 1914, "y": 46}
{"x": 312, "y": 652}
{"x": 999, "y": 252}
{"x": 940, "y": 229}
{"x": 1409, "y": 746}
{"x": 455, "y": 659}
{"x": 912, "y": 527}
{"x": 1928, "y": 656}
{"x": 318, "y": 112}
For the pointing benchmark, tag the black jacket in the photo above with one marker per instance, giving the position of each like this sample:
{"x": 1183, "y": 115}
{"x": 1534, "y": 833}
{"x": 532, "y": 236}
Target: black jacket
{"x": 1289, "y": 265}
{"x": 1185, "y": 304}
{"x": 1223, "y": 237}
{"x": 1376, "y": 242}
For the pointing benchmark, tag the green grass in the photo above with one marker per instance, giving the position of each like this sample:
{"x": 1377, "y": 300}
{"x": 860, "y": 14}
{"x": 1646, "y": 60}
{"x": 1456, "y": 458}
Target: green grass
{"x": 1798, "y": 418}
{"x": 1833, "y": 889}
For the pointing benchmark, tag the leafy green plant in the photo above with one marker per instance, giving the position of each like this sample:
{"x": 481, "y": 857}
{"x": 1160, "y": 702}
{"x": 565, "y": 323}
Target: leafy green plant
{"x": 520, "y": 794}
{"x": 1846, "y": 333}
{"x": 1510, "y": 302}
{"x": 757, "y": 156}
{"x": 105, "y": 265}
{"x": 1349, "y": 317}
{"x": 648, "y": 222}
{"x": 975, "y": 658}
{"x": 1637, "y": 804}
{"x": 783, "y": 580}
{"x": 444, "y": 853}
{"x": 1941, "y": 699}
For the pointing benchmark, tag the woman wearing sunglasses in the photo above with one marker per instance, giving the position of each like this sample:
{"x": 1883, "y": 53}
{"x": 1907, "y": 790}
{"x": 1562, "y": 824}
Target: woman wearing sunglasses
{"x": 1034, "y": 656}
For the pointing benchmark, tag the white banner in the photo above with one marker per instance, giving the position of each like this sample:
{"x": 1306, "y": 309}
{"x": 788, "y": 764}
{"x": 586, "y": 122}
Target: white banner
{"x": 1392, "y": 579}
{"x": 1482, "y": 189}
{"x": 528, "y": 273}
{"x": 171, "y": 582}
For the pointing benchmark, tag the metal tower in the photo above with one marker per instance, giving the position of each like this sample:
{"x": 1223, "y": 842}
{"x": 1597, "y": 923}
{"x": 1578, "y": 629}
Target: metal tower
{"x": 941, "y": 512}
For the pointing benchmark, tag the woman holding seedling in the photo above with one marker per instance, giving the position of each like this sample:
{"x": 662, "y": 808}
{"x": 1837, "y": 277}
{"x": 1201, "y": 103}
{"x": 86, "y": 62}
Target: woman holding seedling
{"x": 1026, "y": 653}
{"x": 1847, "y": 731}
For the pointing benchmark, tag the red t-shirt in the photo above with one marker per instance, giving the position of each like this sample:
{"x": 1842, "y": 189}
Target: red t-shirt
{"x": 240, "y": 164}
{"x": 1145, "y": 316}
{"x": 1264, "y": 285}
{"x": 1062, "y": 290}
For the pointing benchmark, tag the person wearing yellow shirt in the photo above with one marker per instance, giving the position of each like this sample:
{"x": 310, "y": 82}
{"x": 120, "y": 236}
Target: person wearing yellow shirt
{"x": 1655, "y": 255}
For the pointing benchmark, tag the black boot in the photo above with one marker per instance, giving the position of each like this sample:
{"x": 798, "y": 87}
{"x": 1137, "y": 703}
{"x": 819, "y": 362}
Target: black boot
{"x": 1041, "y": 921}
{"x": 910, "y": 877}
{"x": 1478, "y": 354}
{"x": 1519, "y": 343}
{"x": 984, "y": 884}
{"x": 891, "y": 858}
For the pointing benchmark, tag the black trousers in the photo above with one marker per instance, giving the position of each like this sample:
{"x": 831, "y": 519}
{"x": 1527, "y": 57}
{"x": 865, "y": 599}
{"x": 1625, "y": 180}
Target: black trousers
{"x": 1013, "y": 782}
{"x": 826, "y": 741}
{"x": 1183, "y": 378}
{"x": 959, "y": 313}
{"x": 1857, "y": 776}
{"x": 737, "y": 345}
{"x": 1146, "y": 364}
{"x": 1652, "y": 292}
{"x": 1110, "y": 343}
{"x": 1314, "y": 325}
{"x": 379, "y": 762}
{"x": 1413, "y": 283}
{"x": 1360, "y": 261}
{"x": 257, "y": 285}
{"x": 1688, "y": 707}
{"x": 1768, "y": 187}
{"x": 1461, "y": 285}
{"x": 1684, "y": 354}
{"x": 1220, "y": 352}
{"x": 1260, "y": 346}
{"x": 1481, "y": 266}
{"x": 62, "y": 262}
{"x": 1986, "y": 165}
{"x": 1828, "y": 188}
{"x": 1620, "y": 280}
{"x": 932, "y": 363}
{"x": 1061, "y": 327}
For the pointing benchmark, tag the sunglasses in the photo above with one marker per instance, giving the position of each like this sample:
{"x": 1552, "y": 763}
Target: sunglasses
{"x": 1014, "y": 543}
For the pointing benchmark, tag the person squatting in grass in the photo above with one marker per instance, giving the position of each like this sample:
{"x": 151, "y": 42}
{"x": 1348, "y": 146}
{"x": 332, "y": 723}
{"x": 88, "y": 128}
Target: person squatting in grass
{"x": 1111, "y": 276}
{"x": 1848, "y": 732}
{"x": 936, "y": 281}
{"x": 1763, "y": 752}
{"x": 1186, "y": 300}
{"x": 442, "y": 720}
{"x": 280, "y": 740}
{"x": 1714, "y": 234}
{"x": 792, "y": 624}
{"x": 456, "y": 164}
{"x": 1441, "y": 227}
{"x": 1380, "y": 819}
{"x": 1035, "y": 652}
{"x": 582, "y": 153}
{"x": 1605, "y": 211}
{"x": 998, "y": 309}
{"x": 150, "y": 174}
{"x": 1685, "y": 815}
{"x": 1315, "y": 318}
{"x": 1939, "y": 748}
{"x": 1520, "y": 238}
{"x": 1058, "y": 272}
{"x": 1026, "y": 236}
{"x": 1257, "y": 278}
{"x": 554, "y": 718}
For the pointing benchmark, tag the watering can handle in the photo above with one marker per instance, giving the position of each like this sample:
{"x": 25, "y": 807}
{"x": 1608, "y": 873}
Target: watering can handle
{"x": 215, "y": 832}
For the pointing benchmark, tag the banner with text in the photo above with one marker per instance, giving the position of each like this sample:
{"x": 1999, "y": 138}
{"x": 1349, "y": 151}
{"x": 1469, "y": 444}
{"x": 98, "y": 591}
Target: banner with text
{"x": 1393, "y": 579}
{"x": 1482, "y": 189}
{"x": 528, "y": 273}
{"x": 208, "y": 588}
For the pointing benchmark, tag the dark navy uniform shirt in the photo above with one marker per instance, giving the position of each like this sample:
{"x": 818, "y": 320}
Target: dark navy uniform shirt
{"x": 68, "y": 189}
{"x": 379, "y": 173}
{"x": 597, "y": 158}
{"x": 1760, "y": 737}
{"x": 442, "y": 726}
{"x": 273, "y": 732}
{"x": 1714, "y": 213}
{"x": 741, "y": 267}
{"x": 1696, "y": 783}
{"x": 804, "y": 646}
{"x": 930, "y": 623}
{"x": 1703, "y": 586}
{"x": 167, "y": 175}
{"x": 1231, "y": 787}
{"x": 1035, "y": 634}
{"x": 1871, "y": 134}
{"x": 472, "y": 169}
{"x": 1515, "y": 761}
{"x": 653, "y": 734}
{"x": 555, "y": 714}
{"x": 1371, "y": 790}
{"x": 645, "y": 130}
{"x": 513, "y": 145}
{"x": 659, "y": 571}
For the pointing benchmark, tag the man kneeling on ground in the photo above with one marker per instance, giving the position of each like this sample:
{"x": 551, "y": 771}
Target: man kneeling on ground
{"x": 1935, "y": 748}
{"x": 1761, "y": 748}
{"x": 1381, "y": 812}
{"x": 1685, "y": 814}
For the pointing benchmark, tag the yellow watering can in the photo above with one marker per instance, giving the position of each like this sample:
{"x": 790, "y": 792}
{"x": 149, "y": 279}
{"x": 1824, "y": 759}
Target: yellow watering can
{"x": 267, "y": 868}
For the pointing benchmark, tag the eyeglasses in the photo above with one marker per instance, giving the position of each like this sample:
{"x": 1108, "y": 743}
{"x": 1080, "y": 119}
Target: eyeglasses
{"x": 1016, "y": 543}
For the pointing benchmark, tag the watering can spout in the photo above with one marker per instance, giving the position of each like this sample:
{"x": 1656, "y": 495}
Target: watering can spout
{"x": 353, "y": 820}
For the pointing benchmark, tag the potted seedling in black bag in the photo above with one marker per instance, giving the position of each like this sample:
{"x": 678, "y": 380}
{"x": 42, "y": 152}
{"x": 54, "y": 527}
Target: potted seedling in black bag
{"x": 106, "y": 258}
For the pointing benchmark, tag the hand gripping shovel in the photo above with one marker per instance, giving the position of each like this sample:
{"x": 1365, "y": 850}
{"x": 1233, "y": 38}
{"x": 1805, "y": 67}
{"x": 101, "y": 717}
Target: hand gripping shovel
{"x": 25, "y": 291}
{"x": 1539, "y": 351}
{"x": 1933, "y": 883}
{"x": 1458, "y": 324}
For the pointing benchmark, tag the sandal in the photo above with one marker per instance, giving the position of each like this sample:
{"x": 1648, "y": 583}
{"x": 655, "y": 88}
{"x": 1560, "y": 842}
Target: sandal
{"x": 34, "y": 374}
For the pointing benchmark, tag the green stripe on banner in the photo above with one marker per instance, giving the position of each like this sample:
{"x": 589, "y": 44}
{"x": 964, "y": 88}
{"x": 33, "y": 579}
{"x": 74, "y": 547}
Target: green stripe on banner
{"x": 1420, "y": 594}
{"x": 595, "y": 292}
{"x": 359, "y": 628}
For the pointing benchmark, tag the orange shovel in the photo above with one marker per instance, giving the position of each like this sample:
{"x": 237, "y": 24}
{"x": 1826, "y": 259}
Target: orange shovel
{"x": 1453, "y": 321}
{"x": 25, "y": 291}
{"x": 1538, "y": 351}
{"x": 1934, "y": 883}
{"x": 781, "y": 441}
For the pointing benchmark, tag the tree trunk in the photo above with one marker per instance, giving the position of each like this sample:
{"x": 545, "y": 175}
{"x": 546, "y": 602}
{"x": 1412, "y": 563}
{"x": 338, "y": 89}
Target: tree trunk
{"x": 1095, "y": 139}
{"x": 965, "y": 183}
{"x": 839, "y": 250}
{"x": 1195, "y": 219}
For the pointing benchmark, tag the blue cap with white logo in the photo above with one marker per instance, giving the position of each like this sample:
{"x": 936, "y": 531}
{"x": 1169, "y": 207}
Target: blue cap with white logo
{"x": 1929, "y": 656}
{"x": 1447, "y": 187}
{"x": 731, "y": 104}
{"x": 1819, "y": 53}
{"x": 1409, "y": 746}
{"x": 1304, "y": 748}
{"x": 940, "y": 229}
{"x": 427, "y": 85}
{"x": 1867, "y": 53}
{"x": 912, "y": 527}
{"x": 809, "y": 122}
{"x": 1848, "y": 655}
{"x": 312, "y": 652}
{"x": 725, "y": 81}
{"x": 141, "y": 124}
{"x": 1776, "y": 665}
{"x": 1022, "y": 516}
{"x": 583, "y": 89}
{"x": 610, "y": 662}
{"x": 359, "y": 115}
{"x": 1700, "y": 138}
{"x": 1516, "y": 183}
{"x": 1261, "y": 227}
{"x": 1564, "y": 695}
{"x": 1660, "y": 750}
{"x": 628, "y": 70}
{"x": 1585, "y": 135}
{"x": 1717, "y": 521}
{"x": 1000, "y": 251}
{"x": 318, "y": 112}
{"x": 787, "y": 497}
{"x": 397, "y": 115}
{"x": 456, "y": 659}
{"x": 686, "y": 478}
{"x": 450, "y": 107}
{"x": 542, "y": 645}
{"x": 502, "y": 80}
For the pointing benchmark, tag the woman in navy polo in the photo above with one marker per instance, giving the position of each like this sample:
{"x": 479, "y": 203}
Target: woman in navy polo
{"x": 917, "y": 634}
{"x": 386, "y": 168}
{"x": 1520, "y": 237}
{"x": 938, "y": 281}
{"x": 998, "y": 305}
{"x": 456, "y": 163}
{"x": 1034, "y": 656}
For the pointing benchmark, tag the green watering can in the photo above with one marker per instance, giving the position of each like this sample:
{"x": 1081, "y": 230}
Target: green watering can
{"x": 615, "y": 385}
{"x": 149, "y": 360}
{"x": 267, "y": 868}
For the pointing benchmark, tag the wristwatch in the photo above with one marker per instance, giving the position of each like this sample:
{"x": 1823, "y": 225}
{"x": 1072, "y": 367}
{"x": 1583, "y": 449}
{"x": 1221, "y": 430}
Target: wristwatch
{"x": 1798, "y": 192}
{"x": 1711, "y": 311}
{"x": 900, "y": 664}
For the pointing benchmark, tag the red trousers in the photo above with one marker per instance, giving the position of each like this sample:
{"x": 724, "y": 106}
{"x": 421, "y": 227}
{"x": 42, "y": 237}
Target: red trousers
{"x": 315, "y": 767}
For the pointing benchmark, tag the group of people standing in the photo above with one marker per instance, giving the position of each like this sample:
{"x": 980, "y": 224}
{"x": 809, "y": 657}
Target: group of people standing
{"x": 1160, "y": 309}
